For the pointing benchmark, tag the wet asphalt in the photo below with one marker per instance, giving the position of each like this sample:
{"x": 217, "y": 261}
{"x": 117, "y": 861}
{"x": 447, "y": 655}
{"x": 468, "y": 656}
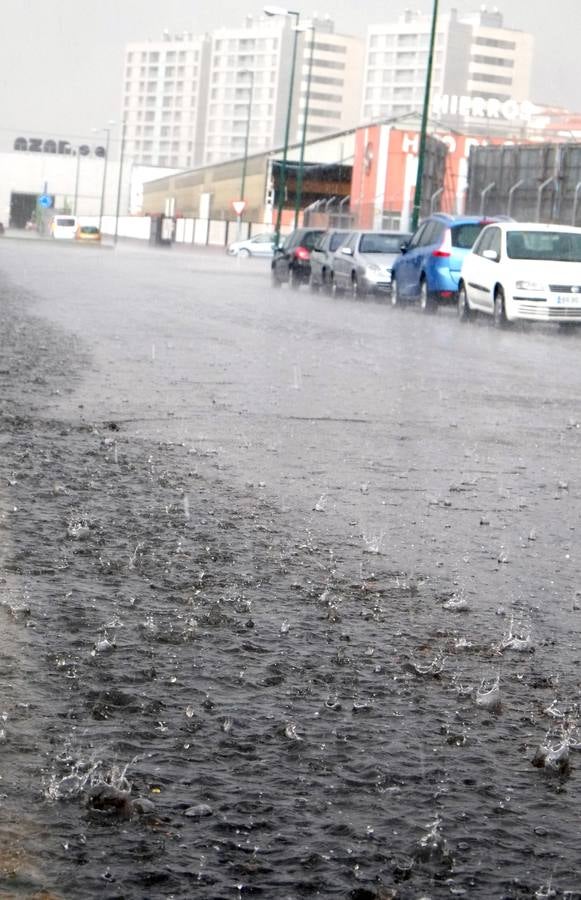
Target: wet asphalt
{"x": 262, "y": 555}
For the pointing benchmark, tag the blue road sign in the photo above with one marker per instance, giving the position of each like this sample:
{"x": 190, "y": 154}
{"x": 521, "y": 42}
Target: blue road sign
{"x": 45, "y": 201}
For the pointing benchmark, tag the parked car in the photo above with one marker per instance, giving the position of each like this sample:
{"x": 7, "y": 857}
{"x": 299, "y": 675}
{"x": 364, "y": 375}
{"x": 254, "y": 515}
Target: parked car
{"x": 63, "y": 228}
{"x": 257, "y": 245}
{"x": 429, "y": 266}
{"x": 322, "y": 258}
{"x": 89, "y": 233}
{"x": 362, "y": 265}
{"x": 292, "y": 261}
{"x": 523, "y": 271}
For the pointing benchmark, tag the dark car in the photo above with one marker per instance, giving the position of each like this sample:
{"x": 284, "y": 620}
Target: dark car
{"x": 429, "y": 268}
{"x": 292, "y": 261}
{"x": 321, "y": 258}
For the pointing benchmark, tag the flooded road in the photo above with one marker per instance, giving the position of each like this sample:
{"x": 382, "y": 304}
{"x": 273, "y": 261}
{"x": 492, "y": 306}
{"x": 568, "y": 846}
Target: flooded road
{"x": 289, "y": 590}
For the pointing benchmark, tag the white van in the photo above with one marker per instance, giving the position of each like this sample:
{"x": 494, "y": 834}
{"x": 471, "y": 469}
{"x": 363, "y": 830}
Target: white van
{"x": 64, "y": 227}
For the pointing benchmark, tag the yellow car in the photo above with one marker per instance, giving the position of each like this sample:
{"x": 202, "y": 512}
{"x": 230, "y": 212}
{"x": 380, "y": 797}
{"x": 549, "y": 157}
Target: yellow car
{"x": 88, "y": 233}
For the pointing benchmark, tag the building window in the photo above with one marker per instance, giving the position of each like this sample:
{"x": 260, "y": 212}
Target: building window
{"x": 492, "y": 42}
{"x": 490, "y": 79}
{"x": 331, "y": 48}
{"x": 493, "y": 61}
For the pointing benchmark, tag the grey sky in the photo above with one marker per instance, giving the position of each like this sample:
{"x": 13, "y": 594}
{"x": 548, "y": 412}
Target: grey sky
{"x": 61, "y": 60}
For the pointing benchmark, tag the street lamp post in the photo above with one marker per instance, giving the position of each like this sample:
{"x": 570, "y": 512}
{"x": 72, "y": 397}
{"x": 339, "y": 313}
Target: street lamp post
{"x": 120, "y": 181}
{"x": 107, "y": 131}
{"x": 280, "y": 11}
{"x": 246, "y": 143}
{"x": 301, "y": 172}
{"x": 424, "y": 125}
{"x": 77, "y": 173}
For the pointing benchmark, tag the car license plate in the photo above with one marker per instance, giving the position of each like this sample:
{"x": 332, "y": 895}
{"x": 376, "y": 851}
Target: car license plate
{"x": 567, "y": 300}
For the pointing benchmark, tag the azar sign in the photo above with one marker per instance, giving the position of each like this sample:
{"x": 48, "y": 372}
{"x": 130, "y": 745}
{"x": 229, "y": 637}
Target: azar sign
{"x": 64, "y": 148}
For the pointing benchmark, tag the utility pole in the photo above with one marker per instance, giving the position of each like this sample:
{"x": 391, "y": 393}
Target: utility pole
{"x": 246, "y": 144}
{"x": 301, "y": 172}
{"x": 424, "y": 125}
{"x": 279, "y": 11}
{"x": 77, "y": 173}
{"x": 120, "y": 182}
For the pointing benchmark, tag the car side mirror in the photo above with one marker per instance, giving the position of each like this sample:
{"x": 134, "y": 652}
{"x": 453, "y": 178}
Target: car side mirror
{"x": 492, "y": 255}
{"x": 347, "y": 251}
{"x": 404, "y": 247}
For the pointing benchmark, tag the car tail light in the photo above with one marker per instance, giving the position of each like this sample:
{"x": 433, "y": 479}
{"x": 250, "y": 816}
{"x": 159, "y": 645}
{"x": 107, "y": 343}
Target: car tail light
{"x": 445, "y": 248}
{"x": 302, "y": 253}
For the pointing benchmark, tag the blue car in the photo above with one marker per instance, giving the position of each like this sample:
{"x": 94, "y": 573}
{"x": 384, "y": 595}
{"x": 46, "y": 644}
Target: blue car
{"x": 428, "y": 268}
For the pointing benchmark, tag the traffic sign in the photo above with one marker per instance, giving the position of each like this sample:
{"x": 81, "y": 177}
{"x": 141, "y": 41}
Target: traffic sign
{"x": 238, "y": 206}
{"x": 45, "y": 200}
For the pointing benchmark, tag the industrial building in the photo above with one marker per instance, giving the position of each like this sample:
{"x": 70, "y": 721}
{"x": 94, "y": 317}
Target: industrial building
{"x": 481, "y": 71}
{"x": 193, "y": 100}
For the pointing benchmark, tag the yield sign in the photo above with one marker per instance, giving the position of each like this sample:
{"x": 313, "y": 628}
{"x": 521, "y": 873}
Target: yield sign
{"x": 238, "y": 206}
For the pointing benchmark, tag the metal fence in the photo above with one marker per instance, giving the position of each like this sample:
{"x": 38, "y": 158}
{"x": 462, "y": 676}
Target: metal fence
{"x": 538, "y": 183}
{"x": 216, "y": 232}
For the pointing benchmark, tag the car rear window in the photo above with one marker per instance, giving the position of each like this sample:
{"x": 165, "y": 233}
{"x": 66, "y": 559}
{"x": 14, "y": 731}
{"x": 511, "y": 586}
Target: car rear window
{"x": 65, "y": 223}
{"x": 554, "y": 246}
{"x": 464, "y": 236}
{"x": 336, "y": 241}
{"x": 309, "y": 239}
{"x": 89, "y": 229}
{"x": 380, "y": 243}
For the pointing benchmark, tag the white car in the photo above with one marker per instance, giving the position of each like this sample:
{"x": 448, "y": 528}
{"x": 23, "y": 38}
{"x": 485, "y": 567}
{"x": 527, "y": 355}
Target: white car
{"x": 258, "y": 245}
{"x": 64, "y": 228}
{"x": 518, "y": 270}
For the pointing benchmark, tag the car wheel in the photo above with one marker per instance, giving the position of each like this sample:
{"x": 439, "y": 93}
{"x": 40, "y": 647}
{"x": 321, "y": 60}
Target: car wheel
{"x": 356, "y": 291}
{"x": 396, "y": 298}
{"x": 294, "y": 280}
{"x": 244, "y": 252}
{"x": 427, "y": 304}
{"x": 465, "y": 314}
{"x": 500, "y": 319}
{"x": 275, "y": 283}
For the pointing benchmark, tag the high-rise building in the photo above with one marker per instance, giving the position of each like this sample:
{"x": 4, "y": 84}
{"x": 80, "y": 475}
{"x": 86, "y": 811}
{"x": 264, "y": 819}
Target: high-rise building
{"x": 249, "y": 74}
{"x": 336, "y": 80}
{"x": 260, "y": 53}
{"x": 481, "y": 70}
{"x": 187, "y": 99}
{"x": 164, "y": 100}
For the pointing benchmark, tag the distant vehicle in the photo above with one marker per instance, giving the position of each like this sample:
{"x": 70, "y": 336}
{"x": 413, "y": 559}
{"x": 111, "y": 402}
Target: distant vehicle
{"x": 258, "y": 245}
{"x": 292, "y": 261}
{"x": 523, "y": 271}
{"x": 88, "y": 233}
{"x": 1, "y": 227}
{"x": 63, "y": 228}
{"x": 362, "y": 265}
{"x": 430, "y": 263}
{"x": 322, "y": 257}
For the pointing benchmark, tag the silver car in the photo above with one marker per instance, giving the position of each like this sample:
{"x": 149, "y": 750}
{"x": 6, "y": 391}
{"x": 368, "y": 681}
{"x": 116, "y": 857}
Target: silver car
{"x": 362, "y": 265}
{"x": 259, "y": 245}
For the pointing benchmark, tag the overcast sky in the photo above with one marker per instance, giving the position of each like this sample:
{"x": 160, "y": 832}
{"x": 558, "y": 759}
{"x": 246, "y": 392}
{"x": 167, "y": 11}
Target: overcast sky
{"x": 61, "y": 61}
